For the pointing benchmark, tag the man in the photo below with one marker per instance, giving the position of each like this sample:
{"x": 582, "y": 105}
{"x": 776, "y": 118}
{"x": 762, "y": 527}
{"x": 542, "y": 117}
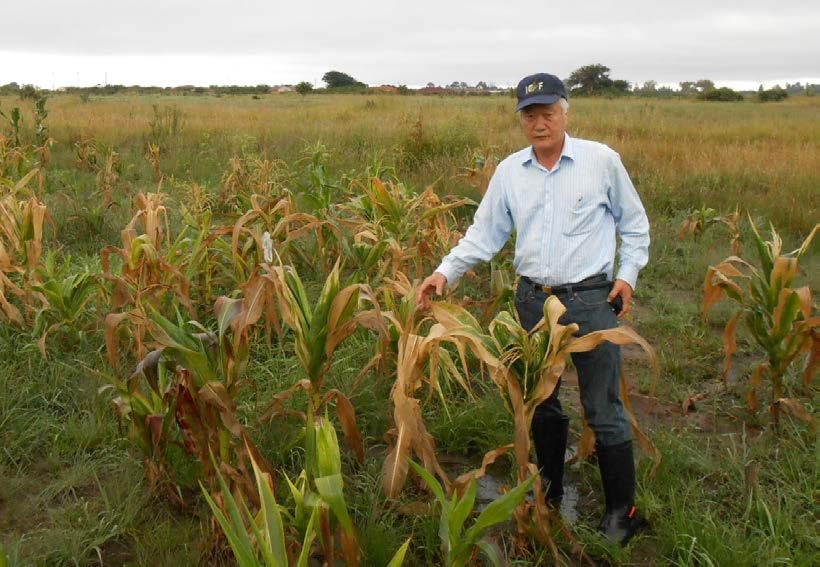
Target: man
{"x": 566, "y": 198}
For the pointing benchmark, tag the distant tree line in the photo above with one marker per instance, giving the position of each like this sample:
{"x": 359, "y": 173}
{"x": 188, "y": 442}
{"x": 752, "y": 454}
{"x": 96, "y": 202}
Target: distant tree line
{"x": 590, "y": 80}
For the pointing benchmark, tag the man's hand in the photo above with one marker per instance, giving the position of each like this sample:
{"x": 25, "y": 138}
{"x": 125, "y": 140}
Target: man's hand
{"x": 620, "y": 287}
{"x": 434, "y": 282}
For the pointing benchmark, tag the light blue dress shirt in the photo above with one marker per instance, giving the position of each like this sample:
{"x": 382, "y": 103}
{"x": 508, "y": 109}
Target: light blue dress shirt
{"x": 565, "y": 218}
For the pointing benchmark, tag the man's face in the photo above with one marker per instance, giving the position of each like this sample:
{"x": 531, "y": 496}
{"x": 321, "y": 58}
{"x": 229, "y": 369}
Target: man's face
{"x": 544, "y": 125}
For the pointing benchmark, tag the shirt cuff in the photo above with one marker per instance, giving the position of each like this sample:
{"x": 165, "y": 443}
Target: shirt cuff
{"x": 450, "y": 272}
{"x": 629, "y": 274}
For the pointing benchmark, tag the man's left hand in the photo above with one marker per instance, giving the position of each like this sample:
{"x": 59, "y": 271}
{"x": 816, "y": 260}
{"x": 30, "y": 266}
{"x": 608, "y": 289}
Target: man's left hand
{"x": 620, "y": 287}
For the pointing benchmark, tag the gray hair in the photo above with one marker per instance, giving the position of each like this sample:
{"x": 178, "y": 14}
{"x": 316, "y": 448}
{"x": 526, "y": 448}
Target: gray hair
{"x": 564, "y": 104}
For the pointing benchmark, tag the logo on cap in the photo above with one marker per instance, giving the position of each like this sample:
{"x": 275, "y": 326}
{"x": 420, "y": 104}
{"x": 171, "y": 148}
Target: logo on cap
{"x": 535, "y": 86}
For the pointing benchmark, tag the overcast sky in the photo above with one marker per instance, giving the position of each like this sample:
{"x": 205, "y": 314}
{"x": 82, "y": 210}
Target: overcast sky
{"x": 171, "y": 42}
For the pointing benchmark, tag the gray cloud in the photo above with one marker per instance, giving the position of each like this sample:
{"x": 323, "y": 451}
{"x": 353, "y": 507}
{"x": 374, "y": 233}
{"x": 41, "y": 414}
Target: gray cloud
{"x": 399, "y": 42}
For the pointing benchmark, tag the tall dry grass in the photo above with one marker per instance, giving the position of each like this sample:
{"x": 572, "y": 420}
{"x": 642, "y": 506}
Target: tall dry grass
{"x": 681, "y": 153}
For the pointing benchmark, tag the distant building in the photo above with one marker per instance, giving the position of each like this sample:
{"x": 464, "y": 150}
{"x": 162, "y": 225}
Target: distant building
{"x": 386, "y": 89}
{"x": 282, "y": 89}
{"x": 434, "y": 90}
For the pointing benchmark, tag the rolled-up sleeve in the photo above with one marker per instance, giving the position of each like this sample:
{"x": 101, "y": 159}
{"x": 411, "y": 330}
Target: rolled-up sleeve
{"x": 491, "y": 228}
{"x": 631, "y": 222}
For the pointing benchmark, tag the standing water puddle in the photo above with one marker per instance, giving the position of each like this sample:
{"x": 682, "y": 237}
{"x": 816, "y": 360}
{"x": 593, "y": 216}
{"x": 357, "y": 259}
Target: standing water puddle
{"x": 489, "y": 489}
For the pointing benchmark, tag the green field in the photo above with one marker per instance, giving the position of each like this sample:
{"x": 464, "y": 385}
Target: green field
{"x": 730, "y": 490}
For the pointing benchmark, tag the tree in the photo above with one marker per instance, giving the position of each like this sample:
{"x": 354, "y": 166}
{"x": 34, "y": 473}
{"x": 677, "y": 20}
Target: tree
{"x": 619, "y": 86}
{"x": 589, "y": 80}
{"x": 304, "y": 88}
{"x": 704, "y": 85}
{"x": 403, "y": 89}
{"x": 28, "y": 91}
{"x": 688, "y": 88}
{"x": 11, "y": 87}
{"x": 337, "y": 79}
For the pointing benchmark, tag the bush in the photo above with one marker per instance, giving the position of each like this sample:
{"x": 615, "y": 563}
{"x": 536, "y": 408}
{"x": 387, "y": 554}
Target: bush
{"x": 723, "y": 94}
{"x": 775, "y": 94}
{"x": 28, "y": 91}
{"x": 304, "y": 88}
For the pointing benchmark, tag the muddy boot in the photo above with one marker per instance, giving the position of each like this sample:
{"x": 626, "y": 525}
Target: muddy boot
{"x": 621, "y": 520}
{"x": 550, "y": 440}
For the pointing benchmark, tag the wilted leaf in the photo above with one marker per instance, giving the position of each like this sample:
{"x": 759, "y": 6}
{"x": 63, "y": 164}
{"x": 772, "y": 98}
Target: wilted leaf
{"x": 796, "y": 408}
{"x": 347, "y": 419}
{"x": 689, "y": 402}
{"x": 729, "y": 345}
{"x": 214, "y": 393}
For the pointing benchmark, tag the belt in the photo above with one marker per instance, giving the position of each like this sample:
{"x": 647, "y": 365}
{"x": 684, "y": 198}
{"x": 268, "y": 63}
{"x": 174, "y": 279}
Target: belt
{"x": 597, "y": 281}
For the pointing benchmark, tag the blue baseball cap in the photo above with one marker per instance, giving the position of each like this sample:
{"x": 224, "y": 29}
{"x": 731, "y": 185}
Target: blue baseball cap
{"x": 541, "y": 88}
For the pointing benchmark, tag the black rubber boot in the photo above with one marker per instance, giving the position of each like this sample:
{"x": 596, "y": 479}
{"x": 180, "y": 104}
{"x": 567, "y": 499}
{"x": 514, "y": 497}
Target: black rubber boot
{"x": 621, "y": 520}
{"x": 550, "y": 440}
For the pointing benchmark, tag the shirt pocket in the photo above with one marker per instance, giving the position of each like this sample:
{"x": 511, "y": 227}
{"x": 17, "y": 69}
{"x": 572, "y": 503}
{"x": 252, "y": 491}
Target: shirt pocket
{"x": 583, "y": 218}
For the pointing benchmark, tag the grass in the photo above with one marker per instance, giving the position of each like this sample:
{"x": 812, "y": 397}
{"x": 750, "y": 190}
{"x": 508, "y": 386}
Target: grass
{"x": 71, "y": 491}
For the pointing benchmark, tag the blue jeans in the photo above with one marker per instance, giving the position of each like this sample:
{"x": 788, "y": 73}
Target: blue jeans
{"x": 599, "y": 370}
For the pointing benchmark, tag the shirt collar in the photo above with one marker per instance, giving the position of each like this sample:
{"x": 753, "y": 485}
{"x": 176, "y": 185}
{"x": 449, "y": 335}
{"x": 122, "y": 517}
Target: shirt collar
{"x": 567, "y": 151}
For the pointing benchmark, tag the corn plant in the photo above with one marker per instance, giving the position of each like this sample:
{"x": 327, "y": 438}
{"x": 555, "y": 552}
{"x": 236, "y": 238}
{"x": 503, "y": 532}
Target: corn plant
{"x": 296, "y": 236}
{"x": 370, "y": 256}
{"x": 318, "y": 329}
{"x": 108, "y": 176}
{"x": 146, "y": 404}
{"x": 418, "y": 359}
{"x": 152, "y": 156}
{"x": 13, "y": 119}
{"x": 17, "y": 157}
{"x": 526, "y": 367}
{"x": 481, "y": 169}
{"x": 86, "y": 155}
{"x": 780, "y": 317}
{"x": 253, "y": 175}
{"x": 145, "y": 276}
{"x": 316, "y": 190}
{"x": 460, "y": 546}
{"x": 421, "y": 225}
{"x": 282, "y": 536}
{"x": 22, "y": 224}
{"x": 502, "y": 291}
{"x": 187, "y": 390}
{"x": 696, "y": 223}
{"x": 267, "y": 530}
{"x": 42, "y": 141}
{"x": 68, "y": 298}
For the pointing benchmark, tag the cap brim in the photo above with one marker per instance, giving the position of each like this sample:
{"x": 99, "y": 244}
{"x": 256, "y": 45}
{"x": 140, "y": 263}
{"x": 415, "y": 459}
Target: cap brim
{"x": 537, "y": 99}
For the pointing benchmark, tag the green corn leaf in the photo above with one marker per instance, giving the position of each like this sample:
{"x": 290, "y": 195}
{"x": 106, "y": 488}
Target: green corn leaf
{"x": 491, "y": 550}
{"x": 187, "y": 350}
{"x": 430, "y": 481}
{"x": 763, "y": 252}
{"x": 310, "y": 535}
{"x": 462, "y": 509}
{"x": 275, "y": 532}
{"x": 328, "y": 455}
{"x": 234, "y": 528}
{"x": 330, "y": 489}
{"x": 788, "y": 315}
{"x": 499, "y": 510}
{"x": 260, "y": 537}
{"x": 398, "y": 557}
{"x": 226, "y": 309}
